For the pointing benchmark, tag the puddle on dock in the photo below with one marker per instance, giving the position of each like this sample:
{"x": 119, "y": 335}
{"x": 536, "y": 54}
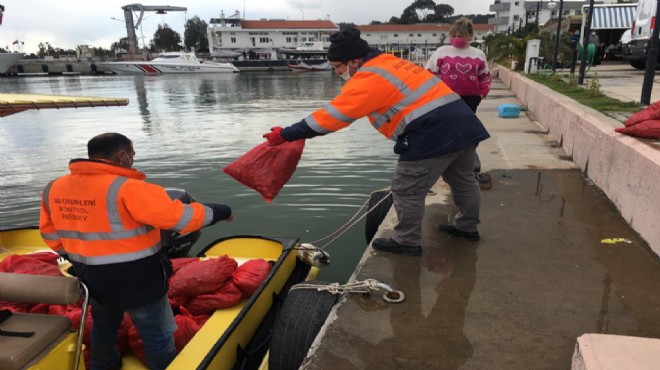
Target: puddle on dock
{"x": 517, "y": 299}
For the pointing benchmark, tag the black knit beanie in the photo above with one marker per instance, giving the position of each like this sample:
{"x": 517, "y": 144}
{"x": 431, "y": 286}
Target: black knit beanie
{"x": 347, "y": 45}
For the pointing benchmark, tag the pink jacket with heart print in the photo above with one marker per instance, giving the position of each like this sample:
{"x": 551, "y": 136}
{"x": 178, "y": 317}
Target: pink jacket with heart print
{"x": 464, "y": 70}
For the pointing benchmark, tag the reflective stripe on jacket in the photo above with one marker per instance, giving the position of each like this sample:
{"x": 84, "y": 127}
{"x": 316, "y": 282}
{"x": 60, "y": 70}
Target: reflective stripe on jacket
{"x": 103, "y": 214}
{"x": 391, "y": 92}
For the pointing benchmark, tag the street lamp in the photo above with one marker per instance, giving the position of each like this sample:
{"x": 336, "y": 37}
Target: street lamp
{"x": 552, "y": 5}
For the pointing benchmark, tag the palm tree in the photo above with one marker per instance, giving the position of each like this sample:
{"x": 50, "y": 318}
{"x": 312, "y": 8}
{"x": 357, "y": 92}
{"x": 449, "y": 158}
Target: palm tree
{"x": 504, "y": 48}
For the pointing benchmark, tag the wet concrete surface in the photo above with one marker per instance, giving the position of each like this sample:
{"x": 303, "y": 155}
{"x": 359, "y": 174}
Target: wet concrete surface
{"x": 520, "y": 297}
{"x": 517, "y": 299}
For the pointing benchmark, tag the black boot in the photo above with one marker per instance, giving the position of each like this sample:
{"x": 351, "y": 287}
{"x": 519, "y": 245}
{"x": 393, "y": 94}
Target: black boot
{"x": 390, "y": 245}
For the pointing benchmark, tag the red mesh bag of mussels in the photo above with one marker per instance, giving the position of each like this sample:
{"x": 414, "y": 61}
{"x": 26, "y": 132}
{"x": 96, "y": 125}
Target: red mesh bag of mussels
{"x": 267, "y": 168}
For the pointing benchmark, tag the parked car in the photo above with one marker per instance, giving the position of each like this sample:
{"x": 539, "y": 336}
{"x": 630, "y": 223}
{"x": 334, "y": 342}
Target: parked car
{"x": 622, "y": 48}
{"x": 641, "y": 33}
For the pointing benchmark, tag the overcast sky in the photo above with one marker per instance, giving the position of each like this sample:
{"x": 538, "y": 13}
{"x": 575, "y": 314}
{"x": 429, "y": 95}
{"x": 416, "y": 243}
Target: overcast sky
{"x": 67, "y": 23}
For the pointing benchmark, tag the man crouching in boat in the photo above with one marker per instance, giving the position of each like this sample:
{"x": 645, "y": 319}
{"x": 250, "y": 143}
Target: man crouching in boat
{"x": 434, "y": 131}
{"x": 106, "y": 220}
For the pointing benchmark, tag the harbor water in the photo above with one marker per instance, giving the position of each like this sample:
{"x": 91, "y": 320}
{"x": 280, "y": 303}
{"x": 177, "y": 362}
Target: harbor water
{"x": 185, "y": 129}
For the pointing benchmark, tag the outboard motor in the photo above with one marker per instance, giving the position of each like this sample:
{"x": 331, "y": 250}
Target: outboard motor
{"x": 174, "y": 244}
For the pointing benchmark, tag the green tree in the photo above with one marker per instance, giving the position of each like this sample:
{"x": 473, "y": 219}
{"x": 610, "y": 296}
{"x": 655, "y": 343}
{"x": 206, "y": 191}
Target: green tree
{"x": 195, "y": 36}
{"x": 119, "y": 46}
{"x": 166, "y": 39}
{"x": 424, "y": 11}
{"x": 443, "y": 12}
{"x": 45, "y": 48}
{"x": 343, "y": 25}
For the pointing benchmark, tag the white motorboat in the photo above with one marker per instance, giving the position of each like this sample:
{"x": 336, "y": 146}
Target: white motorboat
{"x": 169, "y": 62}
{"x": 9, "y": 59}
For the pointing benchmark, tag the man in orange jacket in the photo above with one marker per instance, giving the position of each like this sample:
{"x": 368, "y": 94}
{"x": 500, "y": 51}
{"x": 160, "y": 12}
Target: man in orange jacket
{"x": 434, "y": 131}
{"x": 106, "y": 220}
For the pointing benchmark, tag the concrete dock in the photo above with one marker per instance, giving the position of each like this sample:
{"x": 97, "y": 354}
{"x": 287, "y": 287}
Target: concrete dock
{"x": 543, "y": 273}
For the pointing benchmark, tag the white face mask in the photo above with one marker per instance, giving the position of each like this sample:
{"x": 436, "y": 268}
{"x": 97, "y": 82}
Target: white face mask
{"x": 347, "y": 74}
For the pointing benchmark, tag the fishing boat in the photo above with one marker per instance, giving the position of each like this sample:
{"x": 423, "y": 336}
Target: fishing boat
{"x": 7, "y": 60}
{"x": 169, "y": 62}
{"x": 231, "y": 336}
{"x": 235, "y": 337}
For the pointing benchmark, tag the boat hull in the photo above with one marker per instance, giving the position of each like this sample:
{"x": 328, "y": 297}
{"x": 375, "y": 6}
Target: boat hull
{"x": 7, "y": 60}
{"x": 147, "y": 68}
{"x": 229, "y": 332}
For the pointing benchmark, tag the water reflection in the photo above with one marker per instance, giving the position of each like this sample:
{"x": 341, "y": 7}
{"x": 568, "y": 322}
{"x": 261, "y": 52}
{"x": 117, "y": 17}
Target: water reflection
{"x": 185, "y": 129}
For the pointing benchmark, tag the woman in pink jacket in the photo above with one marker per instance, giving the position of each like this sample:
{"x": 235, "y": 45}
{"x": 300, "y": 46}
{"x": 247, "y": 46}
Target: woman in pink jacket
{"x": 465, "y": 70}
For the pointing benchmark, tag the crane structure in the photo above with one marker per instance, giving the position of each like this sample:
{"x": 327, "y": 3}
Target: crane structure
{"x": 132, "y": 26}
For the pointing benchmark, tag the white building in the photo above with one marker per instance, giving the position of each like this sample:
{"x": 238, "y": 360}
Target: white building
{"x": 392, "y": 36}
{"x": 229, "y": 37}
{"x": 236, "y": 34}
{"x": 511, "y": 15}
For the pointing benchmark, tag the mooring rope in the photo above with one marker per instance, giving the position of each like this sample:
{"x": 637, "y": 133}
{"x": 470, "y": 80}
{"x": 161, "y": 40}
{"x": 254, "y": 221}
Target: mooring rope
{"x": 360, "y": 287}
{"x": 349, "y": 224}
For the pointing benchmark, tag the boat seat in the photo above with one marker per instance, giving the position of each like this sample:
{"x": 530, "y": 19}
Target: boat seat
{"x": 17, "y": 351}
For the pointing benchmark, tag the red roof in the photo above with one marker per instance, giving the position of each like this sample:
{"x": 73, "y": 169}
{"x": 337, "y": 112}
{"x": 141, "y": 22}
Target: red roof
{"x": 283, "y": 24}
{"x": 419, "y": 27}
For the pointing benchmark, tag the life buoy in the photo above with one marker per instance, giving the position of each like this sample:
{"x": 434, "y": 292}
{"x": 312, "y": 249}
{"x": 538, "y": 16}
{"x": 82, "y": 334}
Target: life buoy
{"x": 301, "y": 317}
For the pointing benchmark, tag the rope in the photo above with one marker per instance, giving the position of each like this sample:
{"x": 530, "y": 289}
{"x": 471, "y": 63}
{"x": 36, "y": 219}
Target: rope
{"x": 349, "y": 224}
{"x": 361, "y": 287}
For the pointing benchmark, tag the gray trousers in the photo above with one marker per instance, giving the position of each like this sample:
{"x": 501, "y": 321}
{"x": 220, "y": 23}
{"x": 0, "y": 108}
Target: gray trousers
{"x": 414, "y": 179}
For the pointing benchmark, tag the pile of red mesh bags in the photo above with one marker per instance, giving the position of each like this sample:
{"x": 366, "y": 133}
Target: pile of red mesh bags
{"x": 197, "y": 288}
{"x": 644, "y": 124}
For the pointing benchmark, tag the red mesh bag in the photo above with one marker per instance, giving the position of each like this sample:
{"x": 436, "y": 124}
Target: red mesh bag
{"x": 41, "y": 263}
{"x": 136, "y": 345}
{"x": 649, "y": 113}
{"x": 249, "y": 276}
{"x": 201, "y": 277}
{"x": 178, "y": 263}
{"x": 267, "y": 168}
{"x": 204, "y": 304}
{"x": 648, "y": 129}
{"x": 122, "y": 334}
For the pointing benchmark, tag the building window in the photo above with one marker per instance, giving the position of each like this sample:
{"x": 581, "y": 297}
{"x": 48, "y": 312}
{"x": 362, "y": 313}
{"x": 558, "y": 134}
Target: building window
{"x": 516, "y": 17}
{"x": 264, "y": 40}
{"x": 288, "y": 40}
{"x": 396, "y": 35}
{"x": 516, "y": 3}
{"x": 233, "y": 40}
{"x": 435, "y": 34}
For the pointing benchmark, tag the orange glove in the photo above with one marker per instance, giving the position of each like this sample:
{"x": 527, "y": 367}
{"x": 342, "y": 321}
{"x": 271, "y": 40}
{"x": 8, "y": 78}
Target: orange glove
{"x": 274, "y": 137}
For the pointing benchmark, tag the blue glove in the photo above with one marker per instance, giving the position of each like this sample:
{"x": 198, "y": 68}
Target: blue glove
{"x": 220, "y": 212}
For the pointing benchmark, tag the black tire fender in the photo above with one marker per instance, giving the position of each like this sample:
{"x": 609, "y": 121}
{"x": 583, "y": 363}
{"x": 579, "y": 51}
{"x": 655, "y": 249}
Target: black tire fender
{"x": 300, "y": 319}
{"x": 377, "y": 215}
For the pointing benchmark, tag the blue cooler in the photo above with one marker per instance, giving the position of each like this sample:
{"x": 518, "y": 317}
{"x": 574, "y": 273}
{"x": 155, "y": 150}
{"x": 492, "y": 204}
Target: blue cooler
{"x": 509, "y": 110}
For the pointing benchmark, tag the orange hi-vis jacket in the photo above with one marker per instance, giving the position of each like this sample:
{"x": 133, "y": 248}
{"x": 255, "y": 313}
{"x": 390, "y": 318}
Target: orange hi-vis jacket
{"x": 104, "y": 214}
{"x": 391, "y": 92}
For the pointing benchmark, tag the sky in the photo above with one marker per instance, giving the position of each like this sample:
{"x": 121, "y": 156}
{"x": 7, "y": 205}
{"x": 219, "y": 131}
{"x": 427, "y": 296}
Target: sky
{"x": 67, "y": 23}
